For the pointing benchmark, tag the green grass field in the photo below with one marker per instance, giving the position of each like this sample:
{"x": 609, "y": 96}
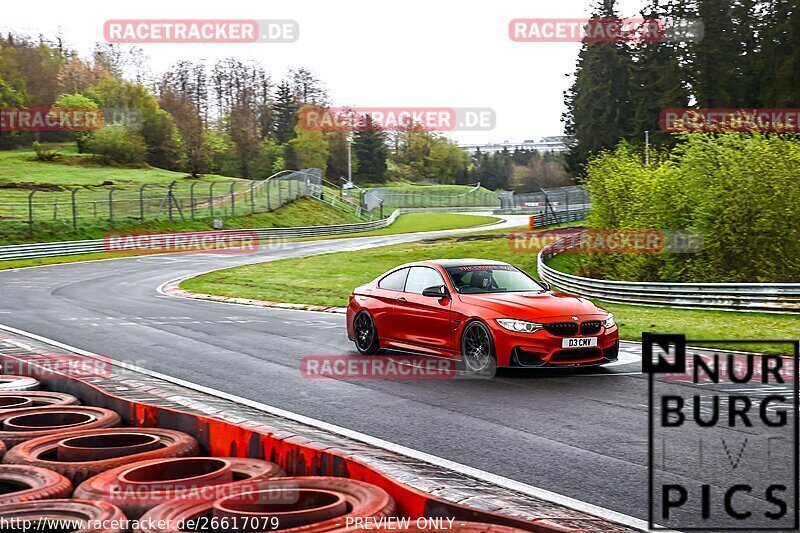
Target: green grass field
{"x": 328, "y": 279}
{"x": 301, "y": 212}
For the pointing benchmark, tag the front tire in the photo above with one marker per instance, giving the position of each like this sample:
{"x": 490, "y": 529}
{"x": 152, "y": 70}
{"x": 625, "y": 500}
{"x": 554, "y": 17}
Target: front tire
{"x": 477, "y": 350}
{"x": 365, "y": 334}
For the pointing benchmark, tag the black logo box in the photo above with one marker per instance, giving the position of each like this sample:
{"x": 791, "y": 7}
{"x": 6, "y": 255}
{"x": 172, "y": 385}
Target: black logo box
{"x": 675, "y": 345}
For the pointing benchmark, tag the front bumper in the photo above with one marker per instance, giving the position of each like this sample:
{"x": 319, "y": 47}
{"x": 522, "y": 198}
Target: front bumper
{"x": 543, "y": 349}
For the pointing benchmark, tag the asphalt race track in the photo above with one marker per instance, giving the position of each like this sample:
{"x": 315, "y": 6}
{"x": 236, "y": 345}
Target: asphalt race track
{"x": 582, "y": 433}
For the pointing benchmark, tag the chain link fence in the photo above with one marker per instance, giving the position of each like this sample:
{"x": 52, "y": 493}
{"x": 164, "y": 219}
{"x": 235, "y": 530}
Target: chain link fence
{"x": 187, "y": 200}
{"x": 391, "y": 198}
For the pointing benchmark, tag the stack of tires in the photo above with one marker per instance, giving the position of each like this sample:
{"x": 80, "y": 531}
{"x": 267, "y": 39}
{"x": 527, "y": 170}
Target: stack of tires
{"x": 71, "y": 462}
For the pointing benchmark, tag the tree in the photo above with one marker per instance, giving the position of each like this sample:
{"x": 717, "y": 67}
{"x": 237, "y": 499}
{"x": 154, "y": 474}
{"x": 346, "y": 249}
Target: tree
{"x": 113, "y": 144}
{"x": 284, "y": 113}
{"x": 598, "y": 111}
{"x": 309, "y": 148}
{"x": 77, "y": 101}
{"x": 369, "y": 147}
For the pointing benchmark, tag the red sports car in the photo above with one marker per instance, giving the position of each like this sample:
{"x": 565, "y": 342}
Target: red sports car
{"x": 486, "y": 313}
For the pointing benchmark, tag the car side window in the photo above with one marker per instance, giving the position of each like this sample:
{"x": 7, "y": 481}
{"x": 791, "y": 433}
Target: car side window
{"x": 420, "y": 278}
{"x": 394, "y": 281}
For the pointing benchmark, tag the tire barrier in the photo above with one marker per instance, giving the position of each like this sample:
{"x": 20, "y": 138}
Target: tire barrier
{"x": 39, "y": 513}
{"x": 8, "y": 400}
{"x": 79, "y": 455}
{"x": 9, "y": 382}
{"x": 3, "y": 449}
{"x": 136, "y": 488}
{"x": 344, "y": 481}
{"x": 20, "y": 484}
{"x": 19, "y": 425}
{"x": 296, "y": 505}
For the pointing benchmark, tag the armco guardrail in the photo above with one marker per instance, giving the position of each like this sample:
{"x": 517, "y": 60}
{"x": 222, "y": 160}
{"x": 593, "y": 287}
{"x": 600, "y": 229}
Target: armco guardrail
{"x": 52, "y": 249}
{"x": 766, "y": 297}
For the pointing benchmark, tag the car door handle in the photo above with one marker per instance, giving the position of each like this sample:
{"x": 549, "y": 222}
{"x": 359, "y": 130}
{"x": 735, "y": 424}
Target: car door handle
{"x": 401, "y": 299}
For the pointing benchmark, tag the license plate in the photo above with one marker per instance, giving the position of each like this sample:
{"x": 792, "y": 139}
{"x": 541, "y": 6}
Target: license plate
{"x": 579, "y": 342}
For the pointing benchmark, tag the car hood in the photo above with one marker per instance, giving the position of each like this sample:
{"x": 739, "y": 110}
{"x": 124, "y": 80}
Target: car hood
{"x": 532, "y": 305}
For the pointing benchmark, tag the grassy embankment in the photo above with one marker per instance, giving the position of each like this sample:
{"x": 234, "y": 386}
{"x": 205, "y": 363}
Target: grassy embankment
{"x": 327, "y": 280}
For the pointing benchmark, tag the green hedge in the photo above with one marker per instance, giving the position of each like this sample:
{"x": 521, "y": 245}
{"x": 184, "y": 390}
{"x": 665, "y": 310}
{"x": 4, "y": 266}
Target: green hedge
{"x": 741, "y": 192}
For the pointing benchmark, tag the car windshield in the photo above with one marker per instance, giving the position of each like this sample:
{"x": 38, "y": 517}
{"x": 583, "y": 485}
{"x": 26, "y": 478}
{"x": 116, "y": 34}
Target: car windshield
{"x": 475, "y": 279}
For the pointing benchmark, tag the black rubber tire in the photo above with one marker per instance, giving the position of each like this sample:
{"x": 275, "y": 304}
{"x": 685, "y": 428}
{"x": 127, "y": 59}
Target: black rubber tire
{"x": 41, "y": 452}
{"x": 39, "y": 483}
{"x": 374, "y": 345}
{"x": 107, "y": 486}
{"x": 44, "y": 398}
{"x": 10, "y": 382}
{"x": 489, "y": 370}
{"x": 364, "y": 500}
{"x": 97, "y": 418}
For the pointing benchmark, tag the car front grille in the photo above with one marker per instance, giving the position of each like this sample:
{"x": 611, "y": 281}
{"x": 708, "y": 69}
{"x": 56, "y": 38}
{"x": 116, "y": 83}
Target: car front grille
{"x": 581, "y": 355}
{"x": 562, "y": 329}
{"x": 591, "y": 327}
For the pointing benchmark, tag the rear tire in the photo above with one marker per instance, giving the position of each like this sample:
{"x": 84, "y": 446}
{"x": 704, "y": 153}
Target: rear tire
{"x": 365, "y": 334}
{"x": 477, "y": 350}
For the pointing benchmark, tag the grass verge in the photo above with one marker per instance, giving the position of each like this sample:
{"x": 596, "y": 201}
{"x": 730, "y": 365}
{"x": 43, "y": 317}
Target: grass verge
{"x": 328, "y": 279}
{"x": 300, "y": 213}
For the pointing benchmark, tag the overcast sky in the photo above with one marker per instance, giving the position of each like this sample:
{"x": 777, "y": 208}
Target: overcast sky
{"x": 446, "y": 53}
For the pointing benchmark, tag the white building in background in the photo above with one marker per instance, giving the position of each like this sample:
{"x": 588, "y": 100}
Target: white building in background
{"x": 545, "y": 144}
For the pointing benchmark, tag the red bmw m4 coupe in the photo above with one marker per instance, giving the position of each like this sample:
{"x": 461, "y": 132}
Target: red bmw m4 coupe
{"x": 488, "y": 314}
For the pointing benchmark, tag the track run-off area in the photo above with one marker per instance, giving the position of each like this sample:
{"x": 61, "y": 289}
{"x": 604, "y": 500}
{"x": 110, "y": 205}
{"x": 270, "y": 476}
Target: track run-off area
{"x": 577, "y": 433}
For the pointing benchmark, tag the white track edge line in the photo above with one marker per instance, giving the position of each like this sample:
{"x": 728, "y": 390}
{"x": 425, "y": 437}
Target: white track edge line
{"x": 482, "y": 475}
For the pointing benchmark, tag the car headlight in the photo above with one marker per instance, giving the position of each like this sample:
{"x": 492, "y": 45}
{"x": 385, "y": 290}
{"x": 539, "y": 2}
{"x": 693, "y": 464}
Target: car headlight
{"x": 519, "y": 325}
{"x": 608, "y": 322}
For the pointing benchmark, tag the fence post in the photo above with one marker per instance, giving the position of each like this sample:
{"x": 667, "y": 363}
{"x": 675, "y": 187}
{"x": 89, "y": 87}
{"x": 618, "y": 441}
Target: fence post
{"x": 111, "y": 207}
{"x": 169, "y": 198}
{"x": 191, "y": 198}
{"x": 141, "y": 202}
{"x": 280, "y": 187}
{"x": 233, "y": 199}
{"x": 74, "y": 211}
{"x": 30, "y": 212}
{"x": 269, "y": 208}
{"x": 252, "y": 197}
{"x": 211, "y": 197}
{"x": 566, "y": 204}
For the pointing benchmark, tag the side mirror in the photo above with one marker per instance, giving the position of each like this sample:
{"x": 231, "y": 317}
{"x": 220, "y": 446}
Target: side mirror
{"x": 437, "y": 291}
{"x": 545, "y": 285}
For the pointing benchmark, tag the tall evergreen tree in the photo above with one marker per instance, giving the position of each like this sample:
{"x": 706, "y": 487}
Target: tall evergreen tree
{"x": 369, "y": 146}
{"x": 284, "y": 113}
{"x": 598, "y": 103}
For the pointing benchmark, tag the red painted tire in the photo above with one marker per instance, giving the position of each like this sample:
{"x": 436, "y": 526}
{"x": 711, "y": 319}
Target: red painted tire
{"x": 270, "y": 498}
{"x": 43, "y": 451}
{"x": 31, "y": 483}
{"x": 37, "y": 399}
{"x": 138, "y": 487}
{"x": 3, "y": 449}
{"x": 11, "y": 382}
{"x": 19, "y": 425}
{"x": 67, "y": 510}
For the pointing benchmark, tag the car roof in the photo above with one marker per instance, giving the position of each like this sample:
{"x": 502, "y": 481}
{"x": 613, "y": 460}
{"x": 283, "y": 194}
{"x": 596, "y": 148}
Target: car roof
{"x": 446, "y": 263}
